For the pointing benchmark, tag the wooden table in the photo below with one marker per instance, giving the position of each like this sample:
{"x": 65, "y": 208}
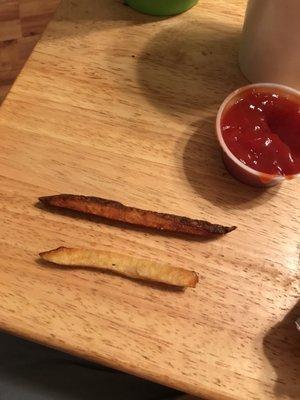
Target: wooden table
{"x": 122, "y": 105}
{"x": 21, "y": 24}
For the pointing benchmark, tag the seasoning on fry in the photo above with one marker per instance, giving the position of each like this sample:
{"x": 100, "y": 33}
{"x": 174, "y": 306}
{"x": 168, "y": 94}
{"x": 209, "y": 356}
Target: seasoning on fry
{"x": 116, "y": 211}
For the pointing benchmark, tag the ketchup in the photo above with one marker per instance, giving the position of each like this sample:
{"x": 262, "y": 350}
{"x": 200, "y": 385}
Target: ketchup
{"x": 262, "y": 129}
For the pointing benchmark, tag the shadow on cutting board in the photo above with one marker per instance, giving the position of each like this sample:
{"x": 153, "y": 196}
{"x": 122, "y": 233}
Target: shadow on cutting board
{"x": 190, "y": 66}
{"x": 282, "y": 348}
{"x": 96, "y": 15}
{"x": 193, "y": 66}
{"x": 204, "y": 169}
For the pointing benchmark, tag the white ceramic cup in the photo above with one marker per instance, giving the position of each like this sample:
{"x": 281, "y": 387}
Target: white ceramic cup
{"x": 270, "y": 49}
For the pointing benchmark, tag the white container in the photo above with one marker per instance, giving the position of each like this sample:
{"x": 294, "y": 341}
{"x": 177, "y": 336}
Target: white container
{"x": 237, "y": 169}
{"x": 270, "y": 50}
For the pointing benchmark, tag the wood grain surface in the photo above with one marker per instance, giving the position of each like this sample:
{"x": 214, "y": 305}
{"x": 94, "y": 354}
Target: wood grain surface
{"x": 121, "y": 105}
{"x": 21, "y": 25}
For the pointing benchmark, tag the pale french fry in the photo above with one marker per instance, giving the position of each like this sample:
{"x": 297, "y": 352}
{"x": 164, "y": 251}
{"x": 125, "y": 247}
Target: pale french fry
{"x": 123, "y": 265}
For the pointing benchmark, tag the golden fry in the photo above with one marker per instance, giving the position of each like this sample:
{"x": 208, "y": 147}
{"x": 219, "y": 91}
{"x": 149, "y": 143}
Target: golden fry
{"x": 123, "y": 265}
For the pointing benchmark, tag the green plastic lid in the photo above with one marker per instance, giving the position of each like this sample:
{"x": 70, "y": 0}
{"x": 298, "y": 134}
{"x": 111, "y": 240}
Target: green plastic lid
{"x": 161, "y": 7}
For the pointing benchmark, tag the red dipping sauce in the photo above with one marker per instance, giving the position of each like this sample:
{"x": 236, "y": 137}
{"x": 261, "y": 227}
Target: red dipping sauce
{"x": 261, "y": 128}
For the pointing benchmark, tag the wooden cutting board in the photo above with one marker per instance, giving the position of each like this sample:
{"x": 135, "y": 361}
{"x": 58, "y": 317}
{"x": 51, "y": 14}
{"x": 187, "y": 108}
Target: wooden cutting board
{"x": 122, "y": 105}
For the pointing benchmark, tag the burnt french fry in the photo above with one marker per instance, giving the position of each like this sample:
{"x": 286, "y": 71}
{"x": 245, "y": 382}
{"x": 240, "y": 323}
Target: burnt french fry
{"x": 123, "y": 265}
{"x": 116, "y": 211}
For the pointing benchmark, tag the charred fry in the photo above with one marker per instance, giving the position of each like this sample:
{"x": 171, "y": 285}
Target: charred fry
{"x": 116, "y": 211}
{"x": 123, "y": 265}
